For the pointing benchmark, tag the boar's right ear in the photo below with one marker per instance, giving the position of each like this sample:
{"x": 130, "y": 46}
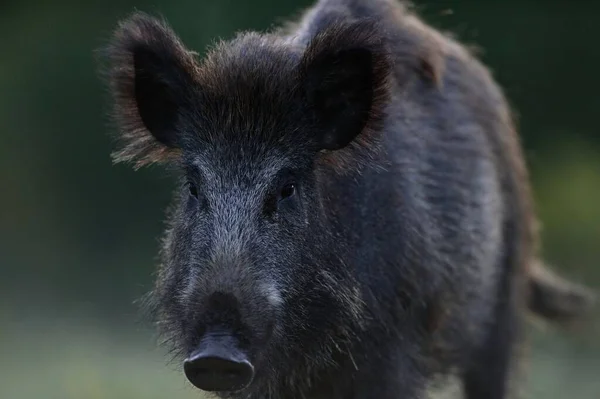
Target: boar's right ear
{"x": 344, "y": 73}
{"x": 151, "y": 76}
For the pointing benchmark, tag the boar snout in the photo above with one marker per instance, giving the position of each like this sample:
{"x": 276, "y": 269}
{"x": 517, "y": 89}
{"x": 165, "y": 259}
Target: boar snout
{"x": 232, "y": 327}
{"x": 218, "y": 364}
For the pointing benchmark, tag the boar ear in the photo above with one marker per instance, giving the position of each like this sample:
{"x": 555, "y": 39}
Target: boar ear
{"x": 344, "y": 72}
{"x": 151, "y": 76}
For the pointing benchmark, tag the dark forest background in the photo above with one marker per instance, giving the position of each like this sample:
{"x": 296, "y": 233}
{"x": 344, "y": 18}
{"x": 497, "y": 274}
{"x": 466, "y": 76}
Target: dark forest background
{"x": 78, "y": 236}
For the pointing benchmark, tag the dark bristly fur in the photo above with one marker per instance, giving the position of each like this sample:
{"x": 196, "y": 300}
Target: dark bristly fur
{"x": 354, "y": 206}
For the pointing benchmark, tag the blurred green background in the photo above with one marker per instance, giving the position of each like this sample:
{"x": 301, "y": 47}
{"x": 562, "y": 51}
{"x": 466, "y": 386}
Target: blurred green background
{"x": 78, "y": 236}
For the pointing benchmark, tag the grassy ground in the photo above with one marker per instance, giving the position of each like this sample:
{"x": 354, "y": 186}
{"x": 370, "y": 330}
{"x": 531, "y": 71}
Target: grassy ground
{"x": 71, "y": 362}
{"x": 68, "y": 361}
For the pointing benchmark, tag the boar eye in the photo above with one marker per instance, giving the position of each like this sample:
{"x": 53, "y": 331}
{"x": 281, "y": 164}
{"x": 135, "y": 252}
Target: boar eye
{"x": 272, "y": 202}
{"x": 192, "y": 189}
{"x": 287, "y": 191}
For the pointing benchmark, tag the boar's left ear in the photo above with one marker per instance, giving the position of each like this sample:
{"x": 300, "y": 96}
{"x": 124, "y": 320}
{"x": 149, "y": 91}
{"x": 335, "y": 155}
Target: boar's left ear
{"x": 151, "y": 76}
{"x": 344, "y": 74}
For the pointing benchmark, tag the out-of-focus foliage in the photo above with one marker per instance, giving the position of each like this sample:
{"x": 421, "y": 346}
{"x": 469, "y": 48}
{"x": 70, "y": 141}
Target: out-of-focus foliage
{"x": 78, "y": 237}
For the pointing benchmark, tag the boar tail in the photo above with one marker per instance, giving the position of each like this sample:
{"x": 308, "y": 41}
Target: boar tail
{"x": 554, "y": 298}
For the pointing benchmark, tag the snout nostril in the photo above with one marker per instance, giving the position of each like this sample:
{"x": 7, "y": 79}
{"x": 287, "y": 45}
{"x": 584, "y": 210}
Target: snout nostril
{"x": 218, "y": 367}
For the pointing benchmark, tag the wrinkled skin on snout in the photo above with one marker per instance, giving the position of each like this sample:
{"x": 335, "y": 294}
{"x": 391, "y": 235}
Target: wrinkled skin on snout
{"x": 252, "y": 272}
